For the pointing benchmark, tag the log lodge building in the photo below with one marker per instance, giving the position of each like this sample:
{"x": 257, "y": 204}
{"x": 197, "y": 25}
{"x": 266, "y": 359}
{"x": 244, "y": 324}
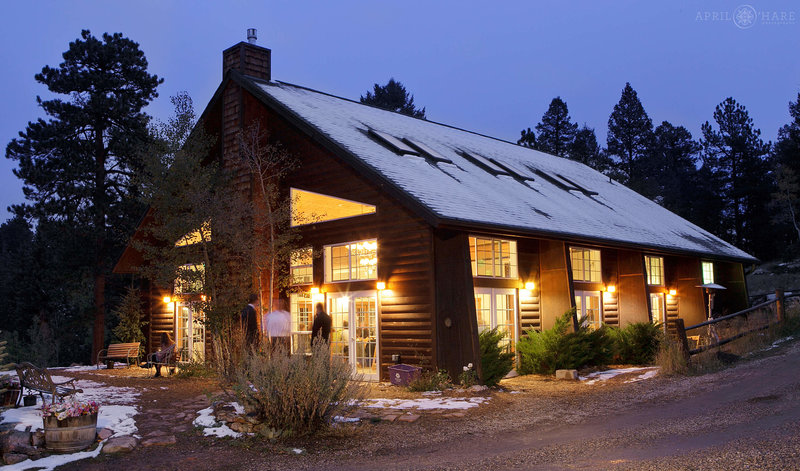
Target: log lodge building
{"x": 430, "y": 234}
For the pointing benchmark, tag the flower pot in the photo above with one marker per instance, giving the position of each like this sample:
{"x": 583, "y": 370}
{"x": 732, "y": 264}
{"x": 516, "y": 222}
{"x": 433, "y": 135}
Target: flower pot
{"x": 70, "y": 434}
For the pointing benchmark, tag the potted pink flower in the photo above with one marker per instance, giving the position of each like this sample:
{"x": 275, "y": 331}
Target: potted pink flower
{"x": 69, "y": 426}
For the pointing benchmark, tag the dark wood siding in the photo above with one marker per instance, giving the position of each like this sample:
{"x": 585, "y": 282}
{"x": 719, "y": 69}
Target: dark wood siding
{"x": 556, "y": 294}
{"x": 632, "y": 290}
{"x": 690, "y": 297}
{"x": 734, "y": 298}
{"x": 529, "y": 301}
{"x": 405, "y": 242}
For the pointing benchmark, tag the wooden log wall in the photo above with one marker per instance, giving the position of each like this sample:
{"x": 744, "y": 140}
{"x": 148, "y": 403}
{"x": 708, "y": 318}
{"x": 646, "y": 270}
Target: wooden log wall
{"x": 556, "y": 294}
{"x": 734, "y": 298}
{"x": 632, "y": 288}
{"x": 529, "y": 300}
{"x": 692, "y": 305}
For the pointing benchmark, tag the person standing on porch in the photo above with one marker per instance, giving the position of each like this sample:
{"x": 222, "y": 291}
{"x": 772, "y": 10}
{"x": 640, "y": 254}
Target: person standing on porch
{"x": 278, "y": 327}
{"x": 249, "y": 320}
{"x": 322, "y": 325}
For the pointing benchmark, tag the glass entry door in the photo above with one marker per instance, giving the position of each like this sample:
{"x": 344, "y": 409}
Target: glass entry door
{"x": 497, "y": 307}
{"x": 354, "y": 330}
{"x": 587, "y": 307}
{"x": 190, "y": 333}
{"x": 657, "y": 308}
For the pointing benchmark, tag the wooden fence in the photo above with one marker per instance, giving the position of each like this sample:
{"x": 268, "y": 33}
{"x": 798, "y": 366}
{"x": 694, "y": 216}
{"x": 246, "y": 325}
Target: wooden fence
{"x": 721, "y": 330}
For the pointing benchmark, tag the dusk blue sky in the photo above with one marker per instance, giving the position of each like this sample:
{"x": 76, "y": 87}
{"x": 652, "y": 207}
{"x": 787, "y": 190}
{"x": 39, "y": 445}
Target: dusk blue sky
{"x": 489, "y": 67}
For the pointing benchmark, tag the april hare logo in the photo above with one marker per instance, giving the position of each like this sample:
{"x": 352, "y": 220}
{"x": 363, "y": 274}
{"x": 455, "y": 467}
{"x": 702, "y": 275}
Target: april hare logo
{"x": 744, "y": 16}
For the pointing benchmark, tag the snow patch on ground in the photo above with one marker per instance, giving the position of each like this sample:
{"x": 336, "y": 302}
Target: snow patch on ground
{"x": 600, "y": 376}
{"x": 206, "y": 420}
{"x": 427, "y": 403}
{"x": 53, "y": 461}
{"x": 341, "y": 419}
{"x": 117, "y": 418}
{"x": 647, "y": 375}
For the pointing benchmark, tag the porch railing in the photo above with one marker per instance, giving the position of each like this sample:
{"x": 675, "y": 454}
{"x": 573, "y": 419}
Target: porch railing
{"x": 722, "y": 330}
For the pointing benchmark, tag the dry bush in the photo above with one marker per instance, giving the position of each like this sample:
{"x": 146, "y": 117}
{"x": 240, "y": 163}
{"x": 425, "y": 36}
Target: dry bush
{"x": 228, "y": 355}
{"x": 671, "y": 359}
{"x": 295, "y": 394}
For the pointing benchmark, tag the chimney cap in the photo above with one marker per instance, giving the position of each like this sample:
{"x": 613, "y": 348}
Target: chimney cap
{"x": 251, "y": 35}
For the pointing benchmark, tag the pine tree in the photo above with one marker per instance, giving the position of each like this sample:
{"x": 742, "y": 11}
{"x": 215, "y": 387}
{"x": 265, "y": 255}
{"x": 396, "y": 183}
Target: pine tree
{"x": 786, "y": 198}
{"x": 77, "y": 165}
{"x": 556, "y": 131}
{"x": 130, "y": 314}
{"x": 585, "y": 149}
{"x": 393, "y": 97}
{"x": 738, "y": 158}
{"x": 630, "y": 134}
{"x": 527, "y": 138}
{"x": 670, "y": 173}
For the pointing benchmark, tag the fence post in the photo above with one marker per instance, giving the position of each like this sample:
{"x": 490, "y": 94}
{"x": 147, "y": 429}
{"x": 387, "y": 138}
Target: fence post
{"x": 680, "y": 332}
{"x": 780, "y": 305}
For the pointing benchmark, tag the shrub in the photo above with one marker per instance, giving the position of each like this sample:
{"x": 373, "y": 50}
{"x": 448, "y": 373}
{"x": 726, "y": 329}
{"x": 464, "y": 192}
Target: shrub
{"x": 556, "y": 348}
{"x": 295, "y": 394}
{"x": 229, "y": 352}
{"x": 637, "y": 343}
{"x": 468, "y": 377}
{"x": 495, "y": 363}
{"x": 431, "y": 381}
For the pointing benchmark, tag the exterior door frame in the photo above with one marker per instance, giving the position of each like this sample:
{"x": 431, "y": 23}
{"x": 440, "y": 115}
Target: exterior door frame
{"x": 493, "y": 293}
{"x": 352, "y": 342}
{"x": 188, "y": 347}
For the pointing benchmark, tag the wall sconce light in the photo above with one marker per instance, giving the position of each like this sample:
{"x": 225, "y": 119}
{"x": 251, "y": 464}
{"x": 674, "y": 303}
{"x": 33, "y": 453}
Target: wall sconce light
{"x": 530, "y": 285}
{"x": 673, "y": 292}
{"x": 167, "y": 300}
{"x": 314, "y": 290}
{"x": 611, "y": 288}
{"x": 381, "y": 286}
{"x": 203, "y": 298}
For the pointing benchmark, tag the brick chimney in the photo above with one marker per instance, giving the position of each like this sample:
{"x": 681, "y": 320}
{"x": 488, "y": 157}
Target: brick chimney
{"x": 247, "y": 58}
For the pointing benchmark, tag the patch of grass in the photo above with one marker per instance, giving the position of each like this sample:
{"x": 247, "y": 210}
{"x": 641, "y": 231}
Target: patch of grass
{"x": 195, "y": 369}
{"x": 671, "y": 359}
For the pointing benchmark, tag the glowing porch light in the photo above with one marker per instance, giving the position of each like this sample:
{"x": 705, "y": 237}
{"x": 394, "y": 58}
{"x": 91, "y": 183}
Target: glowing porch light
{"x": 167, "y": 299}
{"x": 673, "y": 292}
{"x": 530, "y": 285}
{"x": 314, "y": 290}
{"x": 611, "y": 288}
{"x": 381, "y": 286}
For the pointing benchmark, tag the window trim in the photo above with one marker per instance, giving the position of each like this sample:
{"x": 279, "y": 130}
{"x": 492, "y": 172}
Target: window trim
{"x": 292, "y": 267}
{"x": 703, "y": 264}
{"x": 584, "y": 271}
{"x": 514, "y": 260}
{"x": 327, "y": 252}
{"x": 648, "y": 267}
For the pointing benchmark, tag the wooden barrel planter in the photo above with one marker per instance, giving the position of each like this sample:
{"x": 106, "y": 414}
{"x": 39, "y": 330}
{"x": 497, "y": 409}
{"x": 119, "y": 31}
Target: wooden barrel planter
{"x": 70, "y": 434}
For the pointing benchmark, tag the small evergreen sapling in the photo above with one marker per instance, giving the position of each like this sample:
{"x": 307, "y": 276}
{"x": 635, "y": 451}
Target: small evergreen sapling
{"x": 495, "y": 363}
{"x": 129, "y": 313}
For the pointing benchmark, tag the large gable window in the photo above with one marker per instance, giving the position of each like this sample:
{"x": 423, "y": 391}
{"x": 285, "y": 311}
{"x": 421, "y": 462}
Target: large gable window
{"x": 352, "y": 261}
{"x": 655, "y": 270}
{"x": 585, "y": 264}
{"x": 302, "y": 269}
{"x": 708, "y": 272}
{"x": 493, "y": 258}
{"x": 309, "y": 207}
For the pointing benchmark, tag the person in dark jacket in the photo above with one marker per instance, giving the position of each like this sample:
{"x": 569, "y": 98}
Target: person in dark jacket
{"x": 321, "y": 328}
{"x": 249, "y": 320}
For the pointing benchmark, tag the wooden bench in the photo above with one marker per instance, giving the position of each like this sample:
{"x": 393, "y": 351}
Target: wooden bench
{"x": 38, "y": 379}
{"x": 119, "y": 351}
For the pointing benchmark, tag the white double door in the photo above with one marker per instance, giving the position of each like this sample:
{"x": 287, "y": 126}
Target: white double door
{"x": 354, "y": 330}
{"x": 190, "y": 333}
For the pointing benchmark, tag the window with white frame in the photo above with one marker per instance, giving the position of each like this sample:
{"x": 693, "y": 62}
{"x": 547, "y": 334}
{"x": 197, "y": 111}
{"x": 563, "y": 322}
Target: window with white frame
{"x": 588, "y": 308}
{"x": 351, "y": 261}
{"x": 301, "y": 268}
{"x": 708, "y": 272}
{"x": 585, "y": 264}
{"x": 301, "y": 308}
{"x": 497, "y": 307}
{"x": 655, "y": 270}
{"x": 493, "y": 258}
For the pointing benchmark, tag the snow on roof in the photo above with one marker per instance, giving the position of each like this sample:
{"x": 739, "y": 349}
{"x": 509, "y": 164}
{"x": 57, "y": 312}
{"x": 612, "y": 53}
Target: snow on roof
{"x": 465, "y": 192}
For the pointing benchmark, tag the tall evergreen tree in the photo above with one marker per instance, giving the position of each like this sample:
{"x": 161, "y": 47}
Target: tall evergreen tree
{"x": 738, "y": 157}
{"x": 556, "y": 131}
{"x": 585, "y": 149}
{"x": 527, "y": 138}
{"x": 786, "y": 199}
{"x": 630, "y": 135}
{"x": 393, "y": 97}
{"x": 77, "y": 165}
{"x": 671, "y": 171}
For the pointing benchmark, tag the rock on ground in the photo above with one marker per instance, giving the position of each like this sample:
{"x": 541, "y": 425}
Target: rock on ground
{"x": 120, "y": 444}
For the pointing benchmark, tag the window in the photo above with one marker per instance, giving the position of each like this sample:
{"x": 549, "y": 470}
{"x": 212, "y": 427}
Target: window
{"x": 301, "y": 270}
{"x": 484, "y": 163}
{"x": 657, "y": 308}
{"x": 497, "y": 308}
{"x": 655, "y": 270}
{"x": 190, "y": 279}
{"x": 195, "y": 237}
{"x": 585, "y": 264}
{"x": 708, "y": 272}
{"x": 587, "y": 308}
{"x": 309, "y": 208}
{"x": 394, "y": 144}
{"x": 494, "y": 258}
{"x": 301, "y": 307}
{"x": 352, "y": 261}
